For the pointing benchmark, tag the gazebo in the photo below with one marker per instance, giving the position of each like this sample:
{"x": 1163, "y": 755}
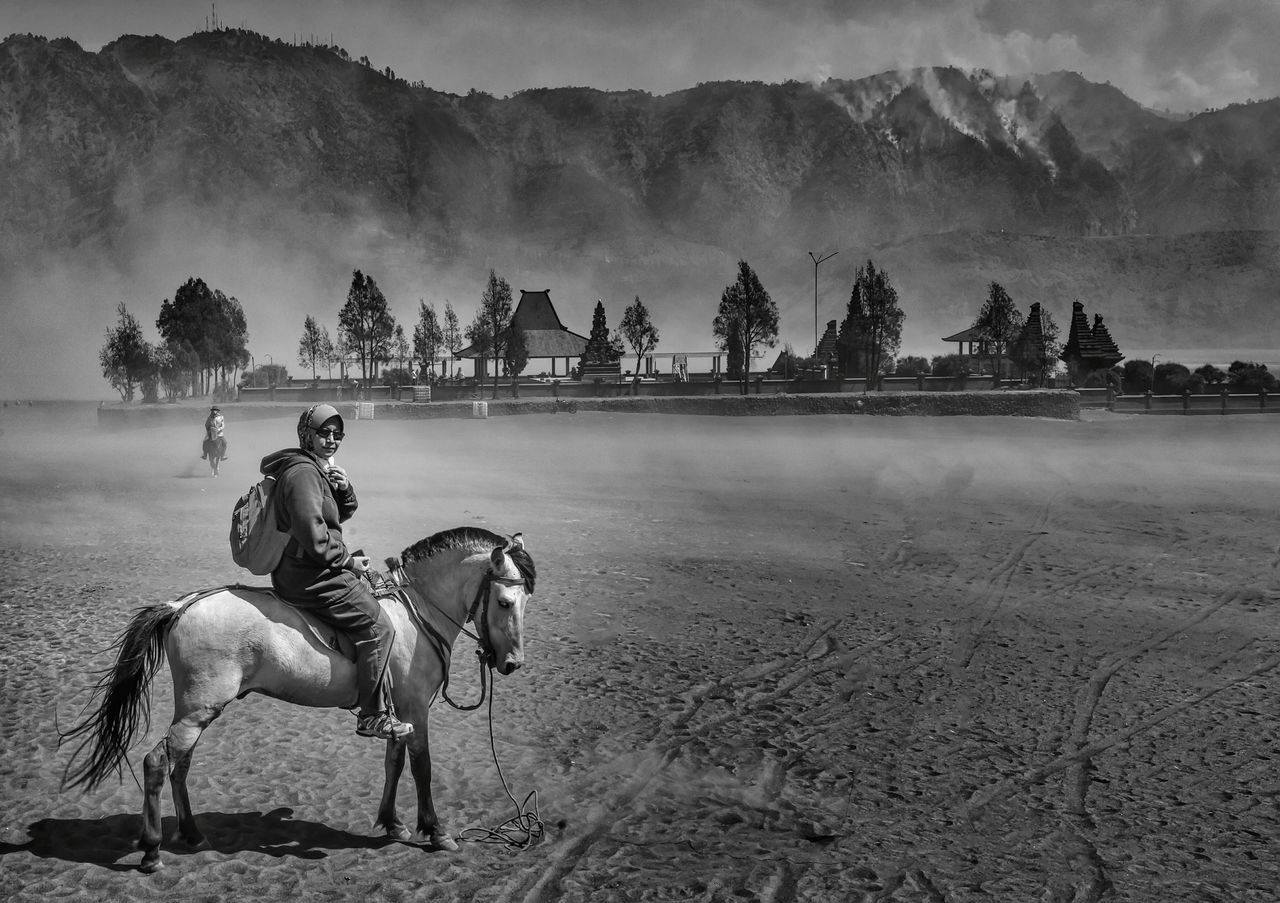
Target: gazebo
{"x": 545, "y": 336}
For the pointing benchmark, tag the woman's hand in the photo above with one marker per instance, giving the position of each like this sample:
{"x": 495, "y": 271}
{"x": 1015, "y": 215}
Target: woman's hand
{"x": 337, "y": 477}
{"x": 359, "y": 563}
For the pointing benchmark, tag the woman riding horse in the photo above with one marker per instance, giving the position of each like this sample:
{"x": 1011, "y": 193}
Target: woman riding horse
{"x": 318, "y": 574}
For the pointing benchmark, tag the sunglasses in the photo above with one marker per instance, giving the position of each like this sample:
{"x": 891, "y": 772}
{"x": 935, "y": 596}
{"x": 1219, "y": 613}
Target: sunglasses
{"x": 335, "y": 435}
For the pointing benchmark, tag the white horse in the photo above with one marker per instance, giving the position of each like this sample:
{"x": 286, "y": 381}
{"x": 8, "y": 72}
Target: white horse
{"x": 226, "y": 643}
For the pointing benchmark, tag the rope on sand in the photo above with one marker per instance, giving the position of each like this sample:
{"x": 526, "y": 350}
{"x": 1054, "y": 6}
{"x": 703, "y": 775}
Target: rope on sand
{"x": 523, "y": 829}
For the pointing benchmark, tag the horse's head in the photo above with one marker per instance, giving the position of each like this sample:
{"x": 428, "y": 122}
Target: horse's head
{"x": 507, "y": 588}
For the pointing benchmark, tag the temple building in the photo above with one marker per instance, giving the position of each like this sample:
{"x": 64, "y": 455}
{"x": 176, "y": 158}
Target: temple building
{"x": 545, "y": 336}
{"x": 1088, "y": 350}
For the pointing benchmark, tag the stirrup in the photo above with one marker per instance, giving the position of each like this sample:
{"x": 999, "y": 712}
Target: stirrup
{"x": 383, "y": 726}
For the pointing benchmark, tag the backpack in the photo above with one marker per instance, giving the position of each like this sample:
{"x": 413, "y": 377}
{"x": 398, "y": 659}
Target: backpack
{"x": 256, "y": 543}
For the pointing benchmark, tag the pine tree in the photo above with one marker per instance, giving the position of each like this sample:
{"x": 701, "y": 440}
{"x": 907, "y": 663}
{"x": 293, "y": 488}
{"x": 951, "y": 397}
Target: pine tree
{"x": 998, "y": 324}
{"x": 366, "y": 323}
{"x": 601, "y": 347}
{"x": 871, "y": 332}
{"x": 747, "y": 317}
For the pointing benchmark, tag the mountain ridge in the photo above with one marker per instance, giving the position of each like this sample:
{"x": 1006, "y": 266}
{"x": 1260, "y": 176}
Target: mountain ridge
{"x": 301, "y": 164}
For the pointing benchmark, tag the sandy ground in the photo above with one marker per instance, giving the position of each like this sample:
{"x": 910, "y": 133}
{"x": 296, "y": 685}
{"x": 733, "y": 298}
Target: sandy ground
{"x": 787, "y": 658}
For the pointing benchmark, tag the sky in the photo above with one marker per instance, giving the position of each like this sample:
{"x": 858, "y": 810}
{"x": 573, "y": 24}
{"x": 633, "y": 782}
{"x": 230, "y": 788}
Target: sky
{"x": 1178, "y": 55}
{"x": 1181, "y": 55}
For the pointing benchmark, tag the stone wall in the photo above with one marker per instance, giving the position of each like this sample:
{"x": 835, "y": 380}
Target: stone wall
{"x": 1060, "y": 404}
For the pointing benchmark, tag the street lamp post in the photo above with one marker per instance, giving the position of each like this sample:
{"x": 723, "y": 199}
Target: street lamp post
{"x": 1153, "y": 373}
{"x": 817, "y": 260}
{"x": 253, "y": 371}
{"x": 271, "y": 377}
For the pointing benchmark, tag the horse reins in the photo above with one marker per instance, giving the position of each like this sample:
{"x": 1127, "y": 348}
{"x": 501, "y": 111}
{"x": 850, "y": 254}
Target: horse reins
{"x": 478, "y": 614}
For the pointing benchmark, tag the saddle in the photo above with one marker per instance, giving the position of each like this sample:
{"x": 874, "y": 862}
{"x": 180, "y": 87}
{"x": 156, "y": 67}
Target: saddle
{"x": 325, "y": 634}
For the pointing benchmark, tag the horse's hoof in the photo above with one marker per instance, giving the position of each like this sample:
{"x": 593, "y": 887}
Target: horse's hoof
{"x": 400, "y": 833}
{"x": 444, "y": 843}
{"x": 150, "y": 867}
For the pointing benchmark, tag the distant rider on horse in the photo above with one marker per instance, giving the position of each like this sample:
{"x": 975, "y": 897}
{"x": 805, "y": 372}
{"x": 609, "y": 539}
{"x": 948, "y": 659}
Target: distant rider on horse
{"x": 214, "y": 428}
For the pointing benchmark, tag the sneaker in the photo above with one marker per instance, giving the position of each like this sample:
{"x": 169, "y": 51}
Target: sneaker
{"x": 382, "y": 726}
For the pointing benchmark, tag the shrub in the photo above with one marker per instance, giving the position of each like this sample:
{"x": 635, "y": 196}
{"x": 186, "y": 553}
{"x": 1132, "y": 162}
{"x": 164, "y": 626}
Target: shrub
{"x": 950, "y": 365}
{"x": 912, "y": 366}
{"x": 1250, "y": 377}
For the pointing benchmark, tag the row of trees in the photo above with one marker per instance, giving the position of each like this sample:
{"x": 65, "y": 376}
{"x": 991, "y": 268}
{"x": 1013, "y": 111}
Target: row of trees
{"x": 203, "y": 342}
{"x": 1173, "y": 378}
{"x": 637, "y": 332}
{"x": 869, "y": 337}
{"x": 204, "y": 339}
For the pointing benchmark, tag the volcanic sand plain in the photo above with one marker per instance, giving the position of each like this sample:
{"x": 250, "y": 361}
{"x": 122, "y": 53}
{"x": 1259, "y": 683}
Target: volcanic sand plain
{"x": 827, "y": 658}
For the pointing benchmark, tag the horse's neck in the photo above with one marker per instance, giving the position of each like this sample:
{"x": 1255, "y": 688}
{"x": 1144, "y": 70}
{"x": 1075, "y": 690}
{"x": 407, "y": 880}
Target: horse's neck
{"x": 447, "y": 584}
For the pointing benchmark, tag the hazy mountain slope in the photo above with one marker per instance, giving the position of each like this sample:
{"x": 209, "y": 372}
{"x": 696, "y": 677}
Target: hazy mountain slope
{"x": 273, "y": 170}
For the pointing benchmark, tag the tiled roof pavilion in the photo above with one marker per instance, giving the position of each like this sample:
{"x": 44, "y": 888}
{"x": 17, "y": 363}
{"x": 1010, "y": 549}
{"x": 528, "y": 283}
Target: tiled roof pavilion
{"x": 545, "y": 335}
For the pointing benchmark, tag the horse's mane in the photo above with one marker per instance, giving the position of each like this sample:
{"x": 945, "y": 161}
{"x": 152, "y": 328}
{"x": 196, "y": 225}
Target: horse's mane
{"x": 470, "y": 539}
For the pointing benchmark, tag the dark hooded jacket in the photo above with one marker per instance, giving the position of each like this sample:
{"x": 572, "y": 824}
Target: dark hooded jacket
{"x": 314, "y": 567}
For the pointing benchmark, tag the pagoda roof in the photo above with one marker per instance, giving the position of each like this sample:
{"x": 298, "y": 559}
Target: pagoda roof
{"x": 1092, "y": 347}
{"x": 1032, "y": 335}
{"x": 828, "y": 343}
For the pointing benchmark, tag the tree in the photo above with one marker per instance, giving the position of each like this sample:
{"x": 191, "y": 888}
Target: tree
{"x": 998, "y": 324}
{"x": 126, "y": 357}
{"x": 871, "y": 332}
{"x": 911, "y": 365}
{"x": 428, "y": 336}
{"x": 205, "y": 323}
{"x": 328, "y": 354}
{"x": 1211, "y": 375}
{"x": 489, "y": 331}
{"x": 366, "y": 323}
{"x": 452, "y": 333}
{"x": 1172, "y": 378}
{"x": 602, "y": 348}
{"x": 1250, "y": 377}
{"x": 1138, "y": 376}
{"x": 515, "y": 352}
{"x": 639, "y": 330}
{"x": 311, "y": 350}
{"x": 174, "y": 364}
{"x": 747, "y": 317}
{"x": 400, "y": 349}
{"x": 954, "y": 365}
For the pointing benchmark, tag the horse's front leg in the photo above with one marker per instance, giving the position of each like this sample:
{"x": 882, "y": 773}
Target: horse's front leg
{"x": 388, "y": 819}
{"x": 429, "y": 829}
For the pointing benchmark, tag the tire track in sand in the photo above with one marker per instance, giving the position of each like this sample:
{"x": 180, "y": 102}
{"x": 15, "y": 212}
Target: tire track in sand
{"x": 1084, "y": 750}
{"x": 815, "y": 654}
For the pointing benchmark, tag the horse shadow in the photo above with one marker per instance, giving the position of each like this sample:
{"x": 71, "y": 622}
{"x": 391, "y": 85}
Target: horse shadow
{"x": 107, "y": 840}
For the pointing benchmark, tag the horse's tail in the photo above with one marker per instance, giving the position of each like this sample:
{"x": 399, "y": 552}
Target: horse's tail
{"x": 108, "y": 733}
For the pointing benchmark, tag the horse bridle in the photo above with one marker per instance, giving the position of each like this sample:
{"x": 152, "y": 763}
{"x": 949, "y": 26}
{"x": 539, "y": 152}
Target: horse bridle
{"x": 480, "y": 606}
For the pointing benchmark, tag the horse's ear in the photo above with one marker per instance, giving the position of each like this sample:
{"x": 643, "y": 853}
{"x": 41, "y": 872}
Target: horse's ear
{"x": 517, "y": 542}
{"x": 495, "y": 557}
